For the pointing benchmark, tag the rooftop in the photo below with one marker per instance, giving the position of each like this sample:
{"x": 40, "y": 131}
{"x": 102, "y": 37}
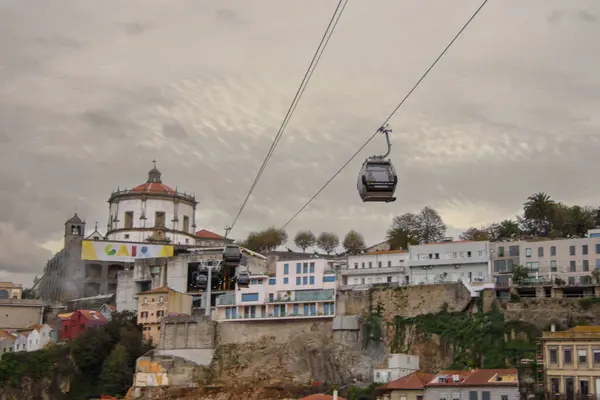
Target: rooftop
{"x": 99, "y": 297}
{"x": 577, "y": 332}
{"x": 415, "y": 381}
{"x": 206, "y": 234}
{"x": 477, "y": 377}
{"x": 162, "y": 289}
{"x": 10, "y": 285}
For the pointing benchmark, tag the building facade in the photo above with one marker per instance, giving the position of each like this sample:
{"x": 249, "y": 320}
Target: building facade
{"x": 450, "y": 261}
{"x": 158, "y": 303}
{"x": 152, "y": 211}
{"x": 571, "y": 361}
{"x": 74, "y": 324}
{"x": 7, "y": 342}
{"x": 570, "y": 260}
{"x": 409, "y": 387}
{"x": 206, "y": 238}
{"x": 19, "y": 314}
{"x": 9, "y": 290}
{"x": 389, "y": 266}
{"x": 478, "y": 384}
{"x": 397, "y": 366}
{"x": 298, "y": 289}
{"x": 39, "y": 337}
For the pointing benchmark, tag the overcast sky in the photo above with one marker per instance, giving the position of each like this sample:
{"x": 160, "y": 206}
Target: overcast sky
{"x": 92, "y": 92}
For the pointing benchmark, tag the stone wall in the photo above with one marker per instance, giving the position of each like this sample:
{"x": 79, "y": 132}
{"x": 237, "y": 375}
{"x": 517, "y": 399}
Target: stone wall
{"x": 281, "y": 331}
{"x": 543, "y": 312}
{"x": 185, "y": 332}
{"x": 20, "y": 313}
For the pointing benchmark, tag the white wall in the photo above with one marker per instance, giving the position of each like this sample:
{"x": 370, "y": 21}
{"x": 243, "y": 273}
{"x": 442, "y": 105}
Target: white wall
{"x": 377, "y": 267}
{"x": 319, "y": 266}
{"x": 398, "y": 366}
{"x": 125, "y": 292}
{"x": 151, "y": 206}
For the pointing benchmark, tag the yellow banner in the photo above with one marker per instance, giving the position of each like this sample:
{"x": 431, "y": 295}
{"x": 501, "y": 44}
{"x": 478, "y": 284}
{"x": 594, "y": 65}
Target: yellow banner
{"x": 122, "y": 251}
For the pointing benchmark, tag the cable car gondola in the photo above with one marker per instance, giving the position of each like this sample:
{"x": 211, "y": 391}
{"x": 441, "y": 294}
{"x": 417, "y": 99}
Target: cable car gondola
{"x": 377, "y": 178}
{"x": 243, "y": 280}
{"x": 232, "y": 255}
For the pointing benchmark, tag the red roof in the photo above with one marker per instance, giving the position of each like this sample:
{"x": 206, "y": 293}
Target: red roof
{"x": 92, "y": 315}
{"x": 415, "y": 381}
{"x": 204, "y": 234}
{"x": 479, "y": 377}
{"x": 320, "y": 396}
{"x": 153, "y": 188}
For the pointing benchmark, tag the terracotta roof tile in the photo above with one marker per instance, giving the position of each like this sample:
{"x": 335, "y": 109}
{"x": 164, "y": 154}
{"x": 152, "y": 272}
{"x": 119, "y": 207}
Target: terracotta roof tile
{"x": 489, "y": 377}
{"x": 415, "y": 381}
{"x": 65, "y": 316}
{"x": 205, "y": 234}
{"x": 153, "y": 188}
{"x": 92, "y": 315}
{"x": 320, "y": 396}
{"x": 4, "y": 334}
{"x": 462, "y": 375}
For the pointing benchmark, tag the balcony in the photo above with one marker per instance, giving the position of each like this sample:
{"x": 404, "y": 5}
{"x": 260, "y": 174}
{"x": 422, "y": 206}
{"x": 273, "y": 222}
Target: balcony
{"x": 227, "y": 299}
{"x": 272, "y": 317}
{"x": 374, "y": 271}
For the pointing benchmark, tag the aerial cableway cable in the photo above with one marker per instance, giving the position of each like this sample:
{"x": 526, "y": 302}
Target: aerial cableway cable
{"x": 379, "y": 129}
{"x": 307, "y": 76}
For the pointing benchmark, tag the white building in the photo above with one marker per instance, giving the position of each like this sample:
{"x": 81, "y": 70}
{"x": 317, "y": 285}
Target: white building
{"x": 152, "y": 211}
{"x": 450, "y": 261}
{"x": 299, "y": 289}
{"x": 39, "y": 337}
{"x": 376, "y": 267}
{"x": 397, "y": 366}
{"x": 20, "y": 343}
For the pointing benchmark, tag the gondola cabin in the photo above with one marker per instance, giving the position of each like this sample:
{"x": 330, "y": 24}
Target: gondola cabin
{"x": 232, "y": 255}
{"x": 377, "y": 181}
{"x": 243, "y": 280}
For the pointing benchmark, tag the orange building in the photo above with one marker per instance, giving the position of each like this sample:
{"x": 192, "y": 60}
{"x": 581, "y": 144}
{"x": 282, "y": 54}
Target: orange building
{"x": 157, "y": 303}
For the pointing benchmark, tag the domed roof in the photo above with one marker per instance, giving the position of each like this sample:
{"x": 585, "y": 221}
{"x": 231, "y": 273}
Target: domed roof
{"x": 153, "y": 184}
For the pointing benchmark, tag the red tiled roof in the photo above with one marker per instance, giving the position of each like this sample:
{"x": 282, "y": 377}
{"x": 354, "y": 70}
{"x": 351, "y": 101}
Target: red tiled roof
{"x": 4, "y": 334}
{"x": 110, "y": 307}
{"x": 153, "y": 188}
{"x": 461, "y": 374}
{"x": 485, "y": 377}
{"x": 415, "y": 381}
{"x": 205, "y": 234}
{"x": 320, "y": 396}
{"x": 92, "y": 315}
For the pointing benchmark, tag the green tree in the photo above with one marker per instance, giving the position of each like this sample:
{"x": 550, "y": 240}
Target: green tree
{"x": 410, "y": 228}
{"x": 354, "y": 243}
{"x": 596, "y": 275}
{"x": 116, "y": 376}
{"x": 476, "y": 234}
{"x": 539, "y": 209}
{"x": 580, "y": 220}
{"x": 519, "y": 274}
{"x": 267, "y": 240}
{"x": 507, "y": 229}
{"x": 432, "y": 226}
{"x": 399, "y": 239}
{"x": 305, "y": 239}
{"x": 328, "y": 242}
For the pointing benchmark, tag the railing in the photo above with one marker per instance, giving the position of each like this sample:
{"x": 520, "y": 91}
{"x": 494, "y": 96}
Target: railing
{"x": 226, "y": 299}
{"x": 124, "y": 192}
{"x": 271, "y": 316}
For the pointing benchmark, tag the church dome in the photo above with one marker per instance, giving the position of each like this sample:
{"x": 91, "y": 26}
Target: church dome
{"x": 153, "y": 184}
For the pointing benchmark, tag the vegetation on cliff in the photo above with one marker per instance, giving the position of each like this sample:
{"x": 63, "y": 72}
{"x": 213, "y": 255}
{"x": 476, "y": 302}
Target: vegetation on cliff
{"x": 476, "y": 340}
{"x": 101, "y": 361}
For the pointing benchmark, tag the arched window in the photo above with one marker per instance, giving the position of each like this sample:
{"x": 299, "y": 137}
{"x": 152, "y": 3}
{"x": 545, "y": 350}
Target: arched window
{"x": 3, "y": 294}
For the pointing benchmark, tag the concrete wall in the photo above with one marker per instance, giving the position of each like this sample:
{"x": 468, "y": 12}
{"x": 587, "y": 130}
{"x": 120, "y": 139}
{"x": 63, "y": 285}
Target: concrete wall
{"x": 125, "y": 292}
{"x": 281, "y": 331}
{"x": 187, "y": 333}
{"x": 154, "y": 370}
{"x": 16, "y": 314}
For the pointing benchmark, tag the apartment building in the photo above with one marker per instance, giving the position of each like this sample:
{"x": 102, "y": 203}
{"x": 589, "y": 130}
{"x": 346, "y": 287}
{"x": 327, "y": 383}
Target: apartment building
{"x": 477, "y": 384}
{"x": 571, "y": 361}
{"x": 299, "y": 289}
{"x": 396, "y": 367}
{"x": 571, "y": 260}
{"x": 157, "y": 303}
{"x": 384, "y": 266}
{"x": 450, "y": 261}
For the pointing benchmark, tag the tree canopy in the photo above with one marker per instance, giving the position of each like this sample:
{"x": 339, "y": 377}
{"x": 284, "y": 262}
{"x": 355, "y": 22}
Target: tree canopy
{"x": 354, "y": 243}
{"x": 304, "y": 240}
{"x": 266, "y": 240}
{"x": 427, "y": 226}
{"x": 328, "y": 242}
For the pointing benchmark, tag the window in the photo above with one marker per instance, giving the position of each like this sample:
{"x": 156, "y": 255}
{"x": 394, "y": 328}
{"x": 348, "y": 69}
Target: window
{"x": 311, "y": 280}
{"x": 567, "y": 356}
{"x": 249, "y": 296}
{"x": 329, "y": 278}
{"x": 304, "y": 280}
{"x": 443, "y": 396}
{"x": 379, "y": 263}
{"x": 572, "y": 267}
{"x": 355, "y": 265}
{"x": 555, "y": 385}
{"x": 144, "y": 314}
{"x": 145, "y": 300}
{"x": 271, "y": 297}
{"x": 286, "y": 269}
{"x": 455, "y": 396}
{"x": 540, "y": 252}
{"x": 370, "y": 264}
{"x": 485, "y": 395}
{"x": 552, "y": 250}
{"x": 186, "y": 223}
{"x": 597, "y": 248}
{"x": 298, "y": 280}
{"x": 305, "y": 268}
{"x": 468, "y": 254}
{"x": 161, "y": 299}
{"x": 553, "y": 355}
{"x": 532, "y": 265}
{"x": 312, "y": 268}
{"x": 362, "y": 265}
{"x": 159, "y": 218}
{"x": 126, "y": 236}
{"x": 160, "y": 313}
{"x": 473, "y": 395}
{"x": 389, "y": 264}
{"x": 582, "y": 356}
{"x": 513, "y": 251}
{"x": 389, "y": 279}
{"x": 128, "y": 219}
{"x": 596, "y": 354}
{"x": 504, "y": 397}
{"x": 272, "y": 281}
{"x": 500, "y": 252}
{"x": 528, "y": 252}
{"x": 553, "y": 266}
{"x": 571, "y": 250}
{"x": 584, "y": 249}
{"x": 586, "y": 265}
{"x": 286, "y": 281}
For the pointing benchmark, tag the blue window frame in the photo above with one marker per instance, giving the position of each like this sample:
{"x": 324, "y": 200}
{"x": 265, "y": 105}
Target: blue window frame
{"x": 285, "y": 281}
{"x": 312, "y": 267}
{"x": 305, "y": 268}
{"x": 329, "y": 278}
{"x": 304, "y": 280}
{"x": 227, "y": 313}
{"x": 250, "y": 297}
{"x": 234, "y": 312}
{"x": 311, "y": 280}
{"x": 298, "y": 280}
{"x": 332, "y": 308}
{"x": 271, "y": 297}
{"x": 276, "y": 311}
{"x": 295, "y": 309}
{"x": 326, "y": 308}
{"x": 305, "y": 309}
{"x": 253, "y": 281}
{"x": 313, "y": 309}
{"x": 272, "y": 281}
{"x": 286, "y": 269}
{"x": 298, "y": 268}
{"x": 282, "y": 310}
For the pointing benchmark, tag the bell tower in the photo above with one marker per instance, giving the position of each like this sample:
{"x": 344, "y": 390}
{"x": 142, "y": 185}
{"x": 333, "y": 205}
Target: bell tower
{"x": 74, "y": 227}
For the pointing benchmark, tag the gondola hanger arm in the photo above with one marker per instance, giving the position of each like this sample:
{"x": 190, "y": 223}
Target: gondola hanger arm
{"x": 386, "y": 131}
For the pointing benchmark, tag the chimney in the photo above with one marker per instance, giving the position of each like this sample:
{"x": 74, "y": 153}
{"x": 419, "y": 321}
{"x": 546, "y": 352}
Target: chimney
{"x": 335, "y": 397}
{"x": 552, "y": 328}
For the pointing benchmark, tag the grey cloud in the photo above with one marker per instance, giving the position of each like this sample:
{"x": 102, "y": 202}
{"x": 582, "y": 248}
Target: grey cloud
{"x": 228, "y": 16}
{"x": 18, "y": 253}
{"x": 503, "y": 115}
{"x": 135, "y": 27}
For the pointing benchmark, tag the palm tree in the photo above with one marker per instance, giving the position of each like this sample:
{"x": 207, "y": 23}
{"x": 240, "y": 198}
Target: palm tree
{"x": 507, "y": 229}
{"x": 539, "y": 208}
{"x": 580, "y": 220}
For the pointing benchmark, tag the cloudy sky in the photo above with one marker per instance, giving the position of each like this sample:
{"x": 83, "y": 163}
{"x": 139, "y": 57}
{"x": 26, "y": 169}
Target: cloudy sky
{"x": 91, "y": 92}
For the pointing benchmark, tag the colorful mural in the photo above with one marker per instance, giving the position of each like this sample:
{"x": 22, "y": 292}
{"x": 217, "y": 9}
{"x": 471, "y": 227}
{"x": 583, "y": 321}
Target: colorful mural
{"x": 122, "y": 251}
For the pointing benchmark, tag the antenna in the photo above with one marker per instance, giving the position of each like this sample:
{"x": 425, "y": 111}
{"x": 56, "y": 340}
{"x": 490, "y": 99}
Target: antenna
{"x": 227, "y": 230}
